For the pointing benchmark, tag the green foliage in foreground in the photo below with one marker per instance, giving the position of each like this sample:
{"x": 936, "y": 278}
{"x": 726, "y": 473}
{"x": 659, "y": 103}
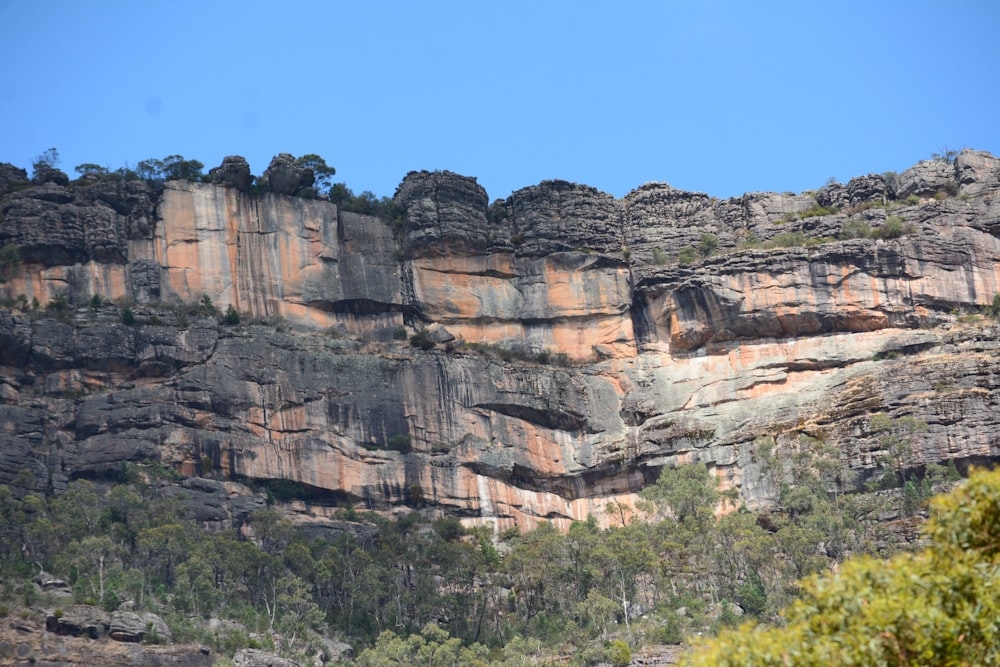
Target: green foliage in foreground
{"x": 940, "y": 606}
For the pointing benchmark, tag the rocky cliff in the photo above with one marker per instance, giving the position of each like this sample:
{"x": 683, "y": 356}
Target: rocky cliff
{"x": 565, "y": 344}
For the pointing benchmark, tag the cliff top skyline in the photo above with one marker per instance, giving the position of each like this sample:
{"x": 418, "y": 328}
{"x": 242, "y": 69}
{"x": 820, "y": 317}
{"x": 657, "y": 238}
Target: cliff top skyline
{"x": 721, "y": 98}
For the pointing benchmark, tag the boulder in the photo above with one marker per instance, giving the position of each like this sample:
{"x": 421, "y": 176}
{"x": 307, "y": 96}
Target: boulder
{"x": 250, "y": 657}
{"x": 445, "y": 213}
{"x": 927, "y": 178}
{"x": 870, "y": 188}
{"x": 126, "y": 626}
{"x": 79, "y": 620}
{"x": 235, "y": 171}
{"x": 558, "y": 216}
{"x": 47, "y": 174}
{"x": 11, "y": 177}
{"x": 284, "y": 177}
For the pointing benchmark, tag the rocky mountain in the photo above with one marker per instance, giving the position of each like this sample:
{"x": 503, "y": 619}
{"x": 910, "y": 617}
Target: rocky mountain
{"x": 534, "y": 358}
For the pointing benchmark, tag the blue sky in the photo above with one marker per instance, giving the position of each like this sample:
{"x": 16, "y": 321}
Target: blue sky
{"x": 713, "y": 96}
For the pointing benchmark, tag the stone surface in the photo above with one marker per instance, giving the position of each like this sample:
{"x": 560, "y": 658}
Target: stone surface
{"x": 79, "y": 620}
{"x": 250, "y": 657}
{"x": 11, "y": 177}
{"x": 928, "y": 178}
{"x": 284, "y": 177}
{"x": 575, "y": 355}
{"x": 31, "y": 645}
{"x": 126, "y": 626}
{"x": 446, "y": 215}
{"x": 48, "y": 174}
{"x": 235, "y": 171}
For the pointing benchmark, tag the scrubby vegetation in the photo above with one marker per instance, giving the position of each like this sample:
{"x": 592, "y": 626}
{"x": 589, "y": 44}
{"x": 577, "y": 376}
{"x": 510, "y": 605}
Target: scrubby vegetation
{"x": 937, "y": 607}
{"x": 420, "y": 587}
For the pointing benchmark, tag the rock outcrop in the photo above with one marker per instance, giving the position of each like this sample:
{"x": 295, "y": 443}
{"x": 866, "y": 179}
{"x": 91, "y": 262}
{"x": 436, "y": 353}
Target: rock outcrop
{"x": 566, "y": 344}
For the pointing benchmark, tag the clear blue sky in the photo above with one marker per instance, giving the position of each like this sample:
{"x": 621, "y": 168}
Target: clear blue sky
{"x": 714, "y": 96}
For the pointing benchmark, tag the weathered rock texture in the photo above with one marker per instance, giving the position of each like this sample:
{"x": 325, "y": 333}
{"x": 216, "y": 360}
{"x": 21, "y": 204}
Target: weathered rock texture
{"x": 659, "y": 362}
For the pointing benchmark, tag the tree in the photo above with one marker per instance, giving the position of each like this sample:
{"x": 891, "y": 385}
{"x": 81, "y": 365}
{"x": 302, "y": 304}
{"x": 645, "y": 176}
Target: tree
{"x": 939, "y": 606}
{"x": 49, "y": 159}
{"x": 688, "y": 491}
{"x": 10, "y": 262}
{"x": 321, "y": 170}
{"x": 89, "y": 169}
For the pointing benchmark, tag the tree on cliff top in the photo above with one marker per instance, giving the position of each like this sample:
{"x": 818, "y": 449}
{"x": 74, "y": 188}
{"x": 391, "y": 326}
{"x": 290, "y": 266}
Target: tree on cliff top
{"x": 323, "y": 172}
{"x": 940, "y": 606}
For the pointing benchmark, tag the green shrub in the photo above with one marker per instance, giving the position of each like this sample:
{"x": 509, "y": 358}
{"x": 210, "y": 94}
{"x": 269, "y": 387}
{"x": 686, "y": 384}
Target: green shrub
{"x": 128, "y": 316}
{"x": 421, "y": 341}
{"x": 659, "y": 257}
{"x": 232, "y": 316}
{"x": 399, "y": 442}
{"x": 893, "y": 227}
{"x": 10, "y": 262}
{"x": 687, "y": 255}
{"x": 206, "y": 305}
{"x": 994, "y": 309}
{"x": 912, "y": 199}
{"x": 399, "y": 333}
{"x": 818, "y": 210}
{"x": 786, "y": 240}
{"x": 58, "y": 304}
{"x": 856, "y": 229}
{"x": 619, "y": 653}
{"x": 708, "y": 245}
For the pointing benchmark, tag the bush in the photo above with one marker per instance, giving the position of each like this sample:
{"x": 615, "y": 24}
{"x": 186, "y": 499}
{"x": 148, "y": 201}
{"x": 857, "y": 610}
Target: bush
{"x": 619, "y": 653}
{"x": 994, "y": 308}
{"x": 708, "y": 245}
{"x": 786, "y": 240}
{"x": 659, "y": 257}
{"x": 58, "y": 304}
{"x": 893, "y": 227}
{"x": 399, "y": 333}
{"x": 128, "y": 317}
{"x": 399, "y": 442}
{"x": 818, "y": 210}
{"x": 856, "y": 229}
{"x": 232, "y": 316}
{"x": 10, "y": 262}
{"x": 937, "y": 606}
{"x": 421, "y": 341}
{"x": 687, "y": 255}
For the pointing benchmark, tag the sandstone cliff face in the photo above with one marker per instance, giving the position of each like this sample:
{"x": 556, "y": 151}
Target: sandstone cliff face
{"x": 665, "y": 362}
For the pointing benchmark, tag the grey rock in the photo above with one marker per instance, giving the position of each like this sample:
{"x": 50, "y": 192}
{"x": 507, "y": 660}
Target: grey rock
{"x": 444, "y": 213}
{"x": 284, "y": 177}
{"x": 156, "y": 625}
{"x": 47, "y": 174}
{"x": 436, "y": 333}
{"x": 870, "y": 188}
{"x": 126, "y": 626}
{"x": 977, "y": 172}
{"x": 927, "y": 178}
{"x": 558, "y": 216}
{"x": 79, "y": 620}
{"x": 11, "y": 177}
{"x": 235, "y": 171}
{"x": 833, "y": 195}
{"x": 53, "y": 225}
{"x": 249, "y": 657}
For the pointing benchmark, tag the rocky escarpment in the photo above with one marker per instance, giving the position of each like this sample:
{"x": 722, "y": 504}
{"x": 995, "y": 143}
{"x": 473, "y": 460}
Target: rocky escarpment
{"x": 686, "y": 328}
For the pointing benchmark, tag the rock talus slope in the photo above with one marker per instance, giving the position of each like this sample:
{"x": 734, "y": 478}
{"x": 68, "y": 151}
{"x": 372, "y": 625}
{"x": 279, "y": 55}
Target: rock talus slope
{"x": 568, "y": 344}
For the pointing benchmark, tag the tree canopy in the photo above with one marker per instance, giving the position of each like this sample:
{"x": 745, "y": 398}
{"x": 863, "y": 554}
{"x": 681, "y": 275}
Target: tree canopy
{"x": 939, "y": 606}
